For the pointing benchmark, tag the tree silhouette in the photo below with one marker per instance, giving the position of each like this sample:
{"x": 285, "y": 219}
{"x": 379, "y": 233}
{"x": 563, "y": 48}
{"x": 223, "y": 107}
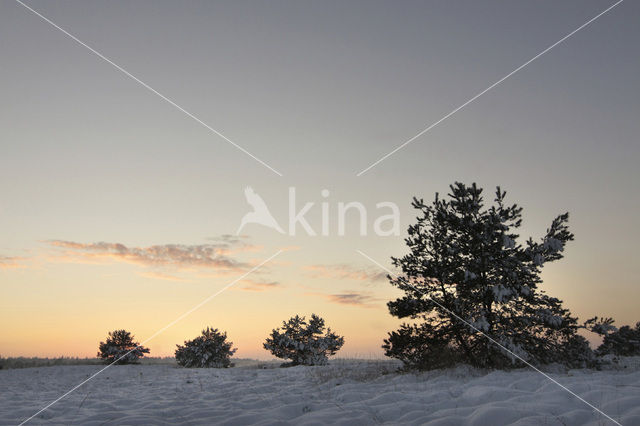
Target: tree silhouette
{"x": 210, "y": 349}
{"x": 121, "y": 348}
{"x": 464, "y": 267}
{"x": 623, "y": 341}
{"x": 304, "y": 342}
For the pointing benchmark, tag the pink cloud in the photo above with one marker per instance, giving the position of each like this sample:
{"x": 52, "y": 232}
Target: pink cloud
{"x": 251, "y": 285}
{"x": 8, "y": 262}
{"x": 350, "y": 298}
{"x": 180, "y": 256}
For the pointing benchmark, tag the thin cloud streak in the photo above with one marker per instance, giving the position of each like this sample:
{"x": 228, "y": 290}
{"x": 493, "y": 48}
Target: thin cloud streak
{"x": 345, "y": 271}
{"x": 180, "y": 256}
{"x": 12, "y": 262}
{"x": 351, "y": 299}
{"x": 162, "y": 276}
{"x": 259, "y": 286}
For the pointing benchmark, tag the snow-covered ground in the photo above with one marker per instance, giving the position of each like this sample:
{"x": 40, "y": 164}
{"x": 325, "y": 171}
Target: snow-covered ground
{"x": 346, "y": 392}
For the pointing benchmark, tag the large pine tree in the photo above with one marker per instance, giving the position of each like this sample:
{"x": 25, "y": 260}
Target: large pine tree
{"x": 466, "y": 266}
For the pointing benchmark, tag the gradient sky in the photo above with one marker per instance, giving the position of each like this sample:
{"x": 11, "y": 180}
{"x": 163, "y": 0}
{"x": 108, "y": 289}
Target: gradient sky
{"x": 318, "y": 90}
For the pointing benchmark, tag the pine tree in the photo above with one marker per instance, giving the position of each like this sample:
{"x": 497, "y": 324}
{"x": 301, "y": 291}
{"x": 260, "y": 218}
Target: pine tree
{"x": 623, "y": 341}
{"x": 210, "y": 350}
{"x": 465, "y": 266}
{"x": 121, "y": 348}
{"x": 304, "y": 343}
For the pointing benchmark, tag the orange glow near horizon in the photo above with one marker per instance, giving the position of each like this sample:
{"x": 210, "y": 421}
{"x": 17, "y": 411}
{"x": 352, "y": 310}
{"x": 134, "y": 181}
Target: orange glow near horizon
{"x": 71, "y": 315}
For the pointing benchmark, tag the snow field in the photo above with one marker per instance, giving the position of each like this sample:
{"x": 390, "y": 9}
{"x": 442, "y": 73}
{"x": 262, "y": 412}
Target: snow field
{"x": 347, "y": 392}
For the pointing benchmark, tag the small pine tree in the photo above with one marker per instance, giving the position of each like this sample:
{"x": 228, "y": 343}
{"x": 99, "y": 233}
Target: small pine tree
{"x": 209, "y": 350}
{"x": 121, "y": 348}
{"x": 304, "y": 343}
{"x": 623, "y": 341}
{"x": 465, "y": 266}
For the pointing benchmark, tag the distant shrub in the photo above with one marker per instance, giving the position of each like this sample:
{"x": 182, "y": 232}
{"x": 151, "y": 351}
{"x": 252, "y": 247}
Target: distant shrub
{"x": 304, "y": 343}
{"x": 575, "y": 352}
{"x": 209, "y": 350}
{"x": 623, "y": 341}
{"x": 121, "y": 348}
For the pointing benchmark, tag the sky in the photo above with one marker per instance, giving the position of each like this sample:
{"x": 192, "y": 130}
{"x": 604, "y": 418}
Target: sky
{"x": 119, "y": 210}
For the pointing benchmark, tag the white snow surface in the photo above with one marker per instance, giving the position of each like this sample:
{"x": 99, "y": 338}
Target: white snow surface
{"x": 347, "y": 392}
